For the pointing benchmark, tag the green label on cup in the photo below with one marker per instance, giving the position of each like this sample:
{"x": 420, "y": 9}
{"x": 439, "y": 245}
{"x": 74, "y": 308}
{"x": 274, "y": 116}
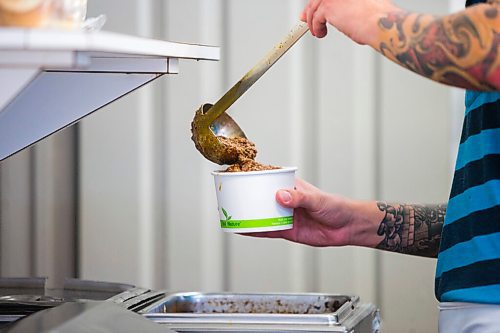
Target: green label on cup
{"x": 272, "y": 222}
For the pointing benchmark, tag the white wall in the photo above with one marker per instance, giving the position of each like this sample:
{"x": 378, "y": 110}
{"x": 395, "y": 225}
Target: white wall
{"x": 353, "y": 123}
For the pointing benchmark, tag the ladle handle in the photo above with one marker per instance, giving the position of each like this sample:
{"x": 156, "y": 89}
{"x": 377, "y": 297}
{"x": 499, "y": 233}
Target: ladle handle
{"x": 256, "y": 72}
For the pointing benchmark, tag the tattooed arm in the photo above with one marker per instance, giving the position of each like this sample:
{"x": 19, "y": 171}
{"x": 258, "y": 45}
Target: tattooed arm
{"x": 323, "y": 219}
{"x": 412, "y": 229}
{"x": 460, "y": 49}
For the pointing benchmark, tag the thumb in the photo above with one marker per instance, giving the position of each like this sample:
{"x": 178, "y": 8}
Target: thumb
{"x": 284, "y": 198}
{"x": 303, "y": 16}
{"x": 296, "y": 198}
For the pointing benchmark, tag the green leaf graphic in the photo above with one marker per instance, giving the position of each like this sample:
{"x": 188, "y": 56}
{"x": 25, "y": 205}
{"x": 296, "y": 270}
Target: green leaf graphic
{"x": 224, "y": 212}
{"x": 228, "y": 218}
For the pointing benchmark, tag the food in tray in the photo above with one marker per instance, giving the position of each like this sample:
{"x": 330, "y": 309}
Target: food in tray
{"x": 276, "y": 306}
{"x": 256, "y": 303}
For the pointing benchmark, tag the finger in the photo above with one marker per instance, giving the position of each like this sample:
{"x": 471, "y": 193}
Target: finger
{"x": 312, "y": 7}
{"x": 309, "y": 15}
{"x": 284, "y": 198}
{"x": 269, "y": 234}
{"x": 319, "y": 24}
{"x": 299, "y": 199}
{"x": 303, "y": 16}
{"x": 301, "y": 184}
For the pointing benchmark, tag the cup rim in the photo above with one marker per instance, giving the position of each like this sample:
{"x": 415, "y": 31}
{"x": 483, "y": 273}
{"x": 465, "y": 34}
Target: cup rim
{"x": 253, "y": 173}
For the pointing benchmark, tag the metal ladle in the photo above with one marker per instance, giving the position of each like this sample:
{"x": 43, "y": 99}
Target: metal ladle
{"x": 211, "y": 120}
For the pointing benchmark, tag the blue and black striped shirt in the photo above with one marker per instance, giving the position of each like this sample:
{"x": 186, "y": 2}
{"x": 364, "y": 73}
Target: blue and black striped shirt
{"x": 468, "y": 268}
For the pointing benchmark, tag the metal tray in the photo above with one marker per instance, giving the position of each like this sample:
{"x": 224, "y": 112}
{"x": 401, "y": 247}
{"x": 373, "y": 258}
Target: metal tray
{"x": 317, "y": 309}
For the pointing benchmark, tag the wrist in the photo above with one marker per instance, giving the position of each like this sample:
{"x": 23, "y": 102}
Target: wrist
{"x": 376, "y": 22}
{"x": 365, "y": 222}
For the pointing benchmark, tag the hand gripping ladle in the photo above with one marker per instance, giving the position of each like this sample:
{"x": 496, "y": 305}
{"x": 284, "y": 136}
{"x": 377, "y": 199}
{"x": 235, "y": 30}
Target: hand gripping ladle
{"x": 211, "y": 120}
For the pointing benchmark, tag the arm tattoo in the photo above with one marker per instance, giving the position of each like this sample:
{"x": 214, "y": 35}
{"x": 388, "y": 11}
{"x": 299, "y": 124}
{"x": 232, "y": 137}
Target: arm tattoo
{"x": 412, "y": 229}
{"x": 461, "y": 49}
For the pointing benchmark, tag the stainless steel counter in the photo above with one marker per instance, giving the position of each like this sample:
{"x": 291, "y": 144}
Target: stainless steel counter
{"x": 88, "y": 306}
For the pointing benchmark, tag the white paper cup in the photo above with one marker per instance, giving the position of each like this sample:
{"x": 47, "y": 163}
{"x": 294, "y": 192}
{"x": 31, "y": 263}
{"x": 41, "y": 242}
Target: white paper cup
{"x": 247, "y": 200}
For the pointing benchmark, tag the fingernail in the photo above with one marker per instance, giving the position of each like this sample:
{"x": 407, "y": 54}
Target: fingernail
{"x": 285, "y": 196}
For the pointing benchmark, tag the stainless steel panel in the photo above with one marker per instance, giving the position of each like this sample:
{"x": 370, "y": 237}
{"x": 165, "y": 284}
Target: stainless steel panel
{"x": 74, "y": 289}
{"x": 21, "y": 297}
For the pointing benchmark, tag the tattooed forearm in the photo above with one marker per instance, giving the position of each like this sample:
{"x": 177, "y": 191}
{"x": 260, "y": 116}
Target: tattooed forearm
{"x": 461, "y": 49}
{"x": 412, "y": 229}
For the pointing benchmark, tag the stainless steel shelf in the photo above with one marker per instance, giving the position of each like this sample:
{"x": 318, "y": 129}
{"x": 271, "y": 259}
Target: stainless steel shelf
{"x": 50, "y": 79}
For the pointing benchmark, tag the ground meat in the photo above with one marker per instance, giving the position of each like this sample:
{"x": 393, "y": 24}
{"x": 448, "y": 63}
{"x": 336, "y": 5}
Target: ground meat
{"x": 249, "y": 165}
{"x": 246, "y": 150}
{"x": 246, "y": 155}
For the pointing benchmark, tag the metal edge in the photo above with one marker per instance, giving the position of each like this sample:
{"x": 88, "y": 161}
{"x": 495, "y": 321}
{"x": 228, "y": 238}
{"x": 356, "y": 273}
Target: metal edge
{"x": 172, "y": 295}
{"x": 362, "y": 312}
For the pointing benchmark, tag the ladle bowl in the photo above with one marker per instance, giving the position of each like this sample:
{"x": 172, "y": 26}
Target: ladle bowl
{"x": 206, "y": 141}
{"x": 211, "y": 120}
